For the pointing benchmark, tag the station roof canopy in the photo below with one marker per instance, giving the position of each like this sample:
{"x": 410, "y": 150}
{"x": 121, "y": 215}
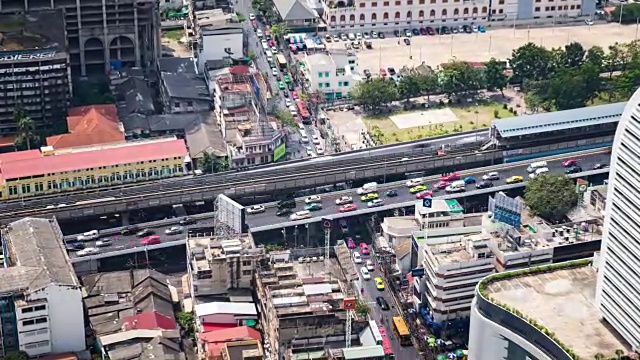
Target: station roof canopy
{"x": 559, "y": 120}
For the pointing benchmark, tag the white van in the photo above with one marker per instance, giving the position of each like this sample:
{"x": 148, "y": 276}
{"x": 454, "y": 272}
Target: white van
{"x": 357, "y": 258}
{"x": 269, "y": 55}
{"x": 88, "y": 236}
{"x": 536, "y": 165}
{"x": 539, "y": 171}
{"x": 368, "y": 188}
{"x": 456, "y": 186}
{"x": 303, "y": 136}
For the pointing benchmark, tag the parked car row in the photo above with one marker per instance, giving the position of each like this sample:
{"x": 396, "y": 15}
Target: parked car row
{"x": 428, "y": 30}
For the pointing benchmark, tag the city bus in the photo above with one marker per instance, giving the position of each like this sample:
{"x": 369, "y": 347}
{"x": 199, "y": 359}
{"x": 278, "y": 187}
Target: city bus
{"x": 401, "y": 330}
{"x": 375, "y": 330}
{"x": 282, "y": 62}
{"x": 304, "y": 112}
{"x": 386, "y": 344}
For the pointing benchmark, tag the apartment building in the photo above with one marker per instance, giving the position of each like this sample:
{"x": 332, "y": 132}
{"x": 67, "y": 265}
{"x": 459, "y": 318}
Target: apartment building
{"x": 389, "y": 14}
{"x": 240, "y": 98}
{"x": 301, "y": 306}
{"x": 102, "y": 34}
{"x": 453, "y": 266}
{"x": 34, "y": 72}
{"x": 332, "y": 73}
{"x": 47, "y": 170}
{"x": 41, "y": 298}
{"x": 216, "y": 266}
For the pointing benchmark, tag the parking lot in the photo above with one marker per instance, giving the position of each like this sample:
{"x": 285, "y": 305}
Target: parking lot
{"x": 499, "y": 43}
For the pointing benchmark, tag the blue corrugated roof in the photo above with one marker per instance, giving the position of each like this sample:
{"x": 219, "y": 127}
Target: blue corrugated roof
{"x": 559, "y": 120}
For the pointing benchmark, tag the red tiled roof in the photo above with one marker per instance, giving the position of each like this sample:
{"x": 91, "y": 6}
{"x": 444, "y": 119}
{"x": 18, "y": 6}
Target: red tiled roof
{"x": 232, "y": 334}
{"x": 239, "y": 70}
{"x": 89, "y": 125}
{"x": 32, "y": 162}
{"x": 151, "y": 320}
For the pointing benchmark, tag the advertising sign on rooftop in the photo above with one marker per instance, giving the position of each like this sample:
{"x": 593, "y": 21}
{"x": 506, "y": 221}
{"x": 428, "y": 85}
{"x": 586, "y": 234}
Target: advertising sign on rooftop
{"x": 506, "y": 210}
{"x": 279, "y": 152}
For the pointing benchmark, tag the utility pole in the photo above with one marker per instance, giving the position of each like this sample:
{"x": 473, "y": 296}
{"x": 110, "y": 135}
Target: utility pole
{"x": 326, "y": 224}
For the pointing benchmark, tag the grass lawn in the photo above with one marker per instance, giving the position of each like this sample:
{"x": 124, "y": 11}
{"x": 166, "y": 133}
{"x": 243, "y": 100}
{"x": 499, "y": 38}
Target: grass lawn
{"x": 468, "y": 118}
{"x": 173, "y": 34}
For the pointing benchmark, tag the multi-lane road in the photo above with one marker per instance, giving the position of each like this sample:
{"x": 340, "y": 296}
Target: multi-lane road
{"x": 587, "y": 160}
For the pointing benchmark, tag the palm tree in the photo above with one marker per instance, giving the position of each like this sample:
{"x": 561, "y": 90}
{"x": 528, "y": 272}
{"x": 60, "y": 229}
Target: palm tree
{"x": 599, "y": 356}
{"x": 25, "y": 127}
{"x": 279, "y": 30}
{"x": 619, "y": 353}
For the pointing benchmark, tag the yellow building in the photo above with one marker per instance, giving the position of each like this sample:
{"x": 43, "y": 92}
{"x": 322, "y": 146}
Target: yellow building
{"x": 47, "y": 171}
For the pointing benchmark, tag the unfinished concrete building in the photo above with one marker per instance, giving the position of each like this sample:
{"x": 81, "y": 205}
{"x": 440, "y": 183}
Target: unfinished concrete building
{"x": 102, "y": 33}
{"x": 301, "y": 307}
{"x": 216, "y": 266}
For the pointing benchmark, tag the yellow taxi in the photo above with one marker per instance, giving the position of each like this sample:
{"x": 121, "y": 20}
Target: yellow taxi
{"x": 369, "y": 197}
{"x": 418, "y": 188}
{"x": 379, "y": 283}
{"x": 514, "y": 179}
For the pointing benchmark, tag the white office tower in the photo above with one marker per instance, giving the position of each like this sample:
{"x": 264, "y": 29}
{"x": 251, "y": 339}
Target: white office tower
{"x": 618, "y": 289}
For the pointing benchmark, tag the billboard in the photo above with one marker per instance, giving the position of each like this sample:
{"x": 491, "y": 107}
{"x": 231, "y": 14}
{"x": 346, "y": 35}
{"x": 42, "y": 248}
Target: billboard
{"x": 506, "y": 210}
{"x": 279, "y": 152}
{"x": 229, "y": 215}
{"x": 27, "y": 55}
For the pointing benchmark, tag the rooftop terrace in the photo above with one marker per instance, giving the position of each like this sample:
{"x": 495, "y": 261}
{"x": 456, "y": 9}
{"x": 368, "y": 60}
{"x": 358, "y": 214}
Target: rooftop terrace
{"x": 568, "y": 290}
{"x": 37, "y": 30}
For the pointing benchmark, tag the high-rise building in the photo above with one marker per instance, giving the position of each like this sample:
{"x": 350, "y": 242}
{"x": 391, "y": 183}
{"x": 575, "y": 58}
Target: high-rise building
{"x": 102, "y": 34}
{"x": 618, "y": 289}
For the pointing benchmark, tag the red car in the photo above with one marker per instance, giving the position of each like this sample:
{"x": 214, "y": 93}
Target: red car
{"x": 271, "y": 43}
{"x": 347, "y": 208}
{"x": 350, "y": 243}
{"x": 364, "y": 249}
{"x": 151, "y": 240}
{"x": 424, "y": 194}
{"x": 294, "y": 95}
{"x": 570, "y": 163}
{"x": 441, "y": 185}
{"x": 430, "y": 31}
{"x": 383, "y": 72}
{"x": 423, "y": 31}
{"x": 451, "y": 177}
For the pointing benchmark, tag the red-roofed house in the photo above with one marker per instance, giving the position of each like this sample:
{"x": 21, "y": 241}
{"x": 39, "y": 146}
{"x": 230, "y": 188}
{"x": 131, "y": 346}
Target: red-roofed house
{"x": 89, "y": 125}
{"x": 213, "y": 342}
{"x": 150, "y": 320}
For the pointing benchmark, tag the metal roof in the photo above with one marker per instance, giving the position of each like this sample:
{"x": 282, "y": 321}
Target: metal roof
{"x": 559, "y": 120}
{"x": 316, "y": 289}
{"x": 363, "y": 352}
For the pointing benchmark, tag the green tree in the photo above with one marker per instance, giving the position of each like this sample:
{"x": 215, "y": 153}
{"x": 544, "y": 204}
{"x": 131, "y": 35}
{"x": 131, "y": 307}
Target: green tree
{"x": 186, "y": 321}
{"x": 494, "y": 75}
{"x": 409, "y": 87}
{"x": 599, "y": 356}
{"x": 614, "y": 59}
{"x": 362, "y": 308}
{"x": 213, "y": 164}
{"x": 26, "y": 138}
{"x": 625, "y": 84}
{"x": 279, "y": 30}
{"x": 429, "y": 84}
{"x": 18, "y": 355}
{"x": 571, "y": 88}
{"x": 531, "y": 62}
{"x": 595, "y": 56}
{"x": 550, "y": 196}
{"x": 619, "y": 353}
{"x": 574, "y": 54}
{"x": 285, "y": 118}
{"x": 316, "y": 97}
{"x": 458, "y": 77}
{"x": 630, "y": 13}
{"x": 375, "y": 93}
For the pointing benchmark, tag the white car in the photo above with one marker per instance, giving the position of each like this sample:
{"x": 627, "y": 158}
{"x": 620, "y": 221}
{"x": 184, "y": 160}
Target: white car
{"x": 366, "y": 36}
{"x": 88, "y": 251}
{"x": 357, "y": 258}
{"x": 474, "y": 28}
{"x": 104, "y": 242}
{"x": 365, "y": 273}
{"x": 88, "y": 236}
{"x": 174, "y": 230}
{"x": 274, "y": 72}
{"x": 538, "y": 172}
{"x": 588, "y": 22}
{"x": 414, "y": 182}
{"x": 319, "y": 150}
{"x": 274, "y": 49}
{"x": 255, "y": 209}
{"x": 374, "y": 34}
{"x": 300, "y": 126}
{"x": 288, "y": 102}
{"x": 375, "y": 203}
{"x": 358, "y": 36}
{"x": 344, "y": 200}
{"x": 408, "y": 33}
{"x": 313, "y": 199}
{"x": 259, "y": 33}
{"x": 300, "y": 215}
{"x": 292, "y": 108}
{"x": 252, "y": 16}
{"x": 370, "y": 266}
{"x": 494, "y": 175}
{"x": 351, "y": 36}
{"x": 335, "y": 38}
{"x": 343, "y": 37}
{"x": 309, "y": 151}
{"x": 316, "y": 139}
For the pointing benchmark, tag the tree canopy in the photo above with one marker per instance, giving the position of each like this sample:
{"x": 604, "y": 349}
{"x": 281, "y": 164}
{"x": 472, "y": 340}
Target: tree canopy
{"x": 630, "y": 13}
{"x": 550, "y": 196}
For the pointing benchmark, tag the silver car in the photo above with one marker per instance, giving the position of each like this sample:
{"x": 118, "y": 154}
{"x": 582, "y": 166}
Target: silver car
{"x": 174, "y": 230}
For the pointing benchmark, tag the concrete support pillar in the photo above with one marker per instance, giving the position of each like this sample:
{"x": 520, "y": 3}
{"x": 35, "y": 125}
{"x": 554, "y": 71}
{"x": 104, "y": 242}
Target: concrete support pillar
{"x": 125, "y": 218}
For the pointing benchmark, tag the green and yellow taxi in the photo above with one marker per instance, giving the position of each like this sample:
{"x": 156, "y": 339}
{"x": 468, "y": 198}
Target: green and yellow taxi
{"x": 287, "y": 79}
{"x": 369, "y": 197}
{"x": 418, "y": 188}
{"x": 514, "y": 179}
{"x": 280, "y": 85}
